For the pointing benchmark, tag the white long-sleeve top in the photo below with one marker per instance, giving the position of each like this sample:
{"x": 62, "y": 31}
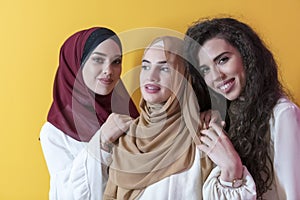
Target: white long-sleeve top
{"x": 76, "y": 172}
{"x": 187, "y": 185}
{"x": 75, "y": 168}
{"x": 285, "y": 153}
{"x": 285, "y": 148}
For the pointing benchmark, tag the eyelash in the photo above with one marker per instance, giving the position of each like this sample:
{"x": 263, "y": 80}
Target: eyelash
{"x": 205, "y": 70}
{"x": 164, "y": 68}
{"x": 98, "y": 60}
{"x": 223, "y": 60}
{"x": 117, "y": 61}
{"x": 101, "y": 60}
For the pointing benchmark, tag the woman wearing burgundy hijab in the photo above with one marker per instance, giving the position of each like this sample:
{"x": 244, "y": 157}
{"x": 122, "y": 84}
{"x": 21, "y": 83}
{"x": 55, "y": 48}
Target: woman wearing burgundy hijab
{"x": 87, "y": 90}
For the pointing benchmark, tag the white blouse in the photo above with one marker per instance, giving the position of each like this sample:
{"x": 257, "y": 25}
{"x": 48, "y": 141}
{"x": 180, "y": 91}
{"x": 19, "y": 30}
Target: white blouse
{"x": 76, "y": 171}
{"x": 285, "y": 148}
{"x": 285, "y": 153}
{"x": 75, "y": 167}
{"x": 187, "y": 185}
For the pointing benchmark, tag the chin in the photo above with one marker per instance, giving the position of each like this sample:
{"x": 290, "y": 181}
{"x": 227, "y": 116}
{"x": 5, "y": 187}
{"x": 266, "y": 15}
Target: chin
{"x": 103, "y": 92}
{"x": 232, "y": 97}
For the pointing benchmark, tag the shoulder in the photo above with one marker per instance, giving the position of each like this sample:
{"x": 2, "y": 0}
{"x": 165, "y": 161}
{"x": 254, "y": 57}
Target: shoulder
{"x": 285, "y": 113}
{"x": 49, "y": 130}
{"x": 50, "y": 133}
{"x": 284, "y": 105}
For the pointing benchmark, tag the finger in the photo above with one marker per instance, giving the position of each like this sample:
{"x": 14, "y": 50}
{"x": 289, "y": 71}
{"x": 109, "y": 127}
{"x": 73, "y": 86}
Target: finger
{"x": 206, "y": 117}
{"x": 210, "y": 133}
{"x": 223, "y": 123}
{"x": 202, "y": 120}
{"x": 218, "y": 129}
{"x": 206, "y": 141}
{"x": 203, "y": 148}
{"x": 119, "y": 123}
{"x": 207, "y": 120}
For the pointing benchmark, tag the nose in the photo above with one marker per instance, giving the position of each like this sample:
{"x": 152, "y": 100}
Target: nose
{"x": 153, "y": 75}
{"x": 217, "y": 74}
{"x": 107, "y": 70}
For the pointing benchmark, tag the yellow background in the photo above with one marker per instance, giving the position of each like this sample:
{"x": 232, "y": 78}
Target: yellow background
{"x": 32, "y": 32}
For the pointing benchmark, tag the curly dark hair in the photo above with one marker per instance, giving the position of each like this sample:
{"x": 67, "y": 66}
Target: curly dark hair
{"x": 249, "y": 114}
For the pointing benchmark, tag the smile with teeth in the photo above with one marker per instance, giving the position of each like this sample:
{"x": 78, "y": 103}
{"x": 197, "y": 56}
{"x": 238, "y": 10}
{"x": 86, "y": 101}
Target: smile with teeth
{"x": 226, "y": 85}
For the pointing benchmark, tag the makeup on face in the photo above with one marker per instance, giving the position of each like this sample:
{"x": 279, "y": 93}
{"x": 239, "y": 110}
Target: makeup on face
{"x": 221, "y": 65}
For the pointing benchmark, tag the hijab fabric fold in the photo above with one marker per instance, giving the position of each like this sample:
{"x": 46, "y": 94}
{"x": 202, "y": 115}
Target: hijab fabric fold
{"x": 162, "y": 141}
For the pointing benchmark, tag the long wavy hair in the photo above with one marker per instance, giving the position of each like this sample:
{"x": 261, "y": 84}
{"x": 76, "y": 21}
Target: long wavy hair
{"x": 249, "y": 114}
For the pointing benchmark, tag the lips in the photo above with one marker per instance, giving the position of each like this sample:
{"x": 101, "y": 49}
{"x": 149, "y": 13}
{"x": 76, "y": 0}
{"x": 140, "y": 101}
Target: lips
{"x": 151, "y": 88}
{"x": 106, "y": 81}
{"x": 226, "y": 85}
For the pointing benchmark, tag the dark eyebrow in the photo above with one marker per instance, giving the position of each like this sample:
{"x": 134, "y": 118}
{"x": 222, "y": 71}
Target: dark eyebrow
{"x": 220, "y": 55}
{"x": 160, "y": 62}
{"x": 103, "y": 54}
{"x": 100, "y": 54}
{"x": 145, "y": 61}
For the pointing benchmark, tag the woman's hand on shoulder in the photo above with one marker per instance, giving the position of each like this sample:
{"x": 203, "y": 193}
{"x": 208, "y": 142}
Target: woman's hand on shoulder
{"x": 216, "y": 144}
{"x": 114, "y": 127}
{"x": 211, "y": 116}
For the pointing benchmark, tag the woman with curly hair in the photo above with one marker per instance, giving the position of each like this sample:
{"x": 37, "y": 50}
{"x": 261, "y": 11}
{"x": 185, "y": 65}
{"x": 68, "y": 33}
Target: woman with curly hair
{"x": 262, "y": 123}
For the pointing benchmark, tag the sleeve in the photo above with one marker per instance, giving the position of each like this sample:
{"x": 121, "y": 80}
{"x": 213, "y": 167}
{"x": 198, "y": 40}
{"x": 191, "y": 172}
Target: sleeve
{"x": 77, "y": 170}
{"x": 213, "y": 189}
{"x": 287, "y": 152}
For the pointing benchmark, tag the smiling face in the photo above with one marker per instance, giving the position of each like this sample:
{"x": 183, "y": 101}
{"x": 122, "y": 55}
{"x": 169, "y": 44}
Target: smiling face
{"x": 102, "y": 69}
{"x": 221, "y": 65}
{"x": 155, "y": 76}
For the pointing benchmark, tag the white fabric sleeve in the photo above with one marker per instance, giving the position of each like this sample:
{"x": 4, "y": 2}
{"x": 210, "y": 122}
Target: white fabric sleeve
{"x": 213, "y": 189}
{"x": 287, "y": 151}
{"x": 75, "y": 168}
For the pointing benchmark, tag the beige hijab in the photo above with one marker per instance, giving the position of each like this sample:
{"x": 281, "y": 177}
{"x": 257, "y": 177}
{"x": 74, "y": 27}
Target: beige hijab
{"x": 162, "y": 141}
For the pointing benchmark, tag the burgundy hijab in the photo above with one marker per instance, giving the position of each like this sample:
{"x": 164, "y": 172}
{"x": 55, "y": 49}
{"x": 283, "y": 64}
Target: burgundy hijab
{"x": 76, "y": 110}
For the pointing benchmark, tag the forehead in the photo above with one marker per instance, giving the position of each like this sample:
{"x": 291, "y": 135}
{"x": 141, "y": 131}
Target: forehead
{"x": 215, "y": 47}
{"x": 155, "y": 54}
{"x": 108, "y": 47}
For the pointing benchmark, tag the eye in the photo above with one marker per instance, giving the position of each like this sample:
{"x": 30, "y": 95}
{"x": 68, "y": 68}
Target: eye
{"x": 165, "y": 68}
{"x": 145, "y": 67}
{"x": 223, "y": 60}
{"x": 117, "y": 61}
{"x": 204, "y": 70}
{"x": 99, "y": 60}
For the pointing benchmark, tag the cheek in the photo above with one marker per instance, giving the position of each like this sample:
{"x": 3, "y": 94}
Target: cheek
{"x": 142, "y": 77}
{"x": 208, "y": 81}
{"x": 117, "y": 72}
{"x": 168, "y": 84}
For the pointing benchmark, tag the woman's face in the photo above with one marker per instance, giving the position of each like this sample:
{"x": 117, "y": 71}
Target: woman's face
{"x": 103, "y": 68}
{"x": 155, "y": 76}
{"x": 221, "y": 65}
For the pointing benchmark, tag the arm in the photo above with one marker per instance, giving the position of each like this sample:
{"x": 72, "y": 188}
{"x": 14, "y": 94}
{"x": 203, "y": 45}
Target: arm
{"x": 79, "y": 170}
{"x": 74, "y": 170}
{"x": 286, "y": 135}
{"x": 220, "y": 150}
{"x": 213, "y": 189}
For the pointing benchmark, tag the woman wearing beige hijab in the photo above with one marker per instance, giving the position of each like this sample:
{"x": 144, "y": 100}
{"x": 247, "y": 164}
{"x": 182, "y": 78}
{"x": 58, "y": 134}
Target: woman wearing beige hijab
{"x": 158, "y": 157}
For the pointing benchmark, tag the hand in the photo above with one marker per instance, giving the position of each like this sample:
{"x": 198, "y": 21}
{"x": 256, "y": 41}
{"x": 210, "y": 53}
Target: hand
{"x": 220, "y": 150}
{"x": 211, "y": 116}
{"x": 114, "y": 127}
